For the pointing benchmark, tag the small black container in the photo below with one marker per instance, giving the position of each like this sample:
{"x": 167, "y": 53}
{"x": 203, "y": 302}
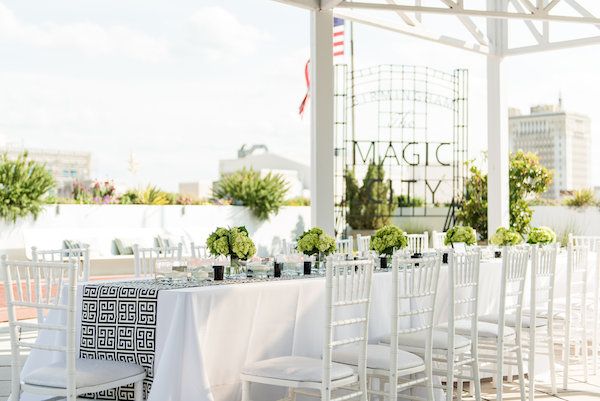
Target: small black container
{"x": 307, "y": 268}
{"x": 277, "y": 269}
{"x": 219, "y": 272}
{"x": 445, "y": 257}
{"x": 416, "y": 255}
{"x": 498, "y": 254}
{"x": 383, "y": 262}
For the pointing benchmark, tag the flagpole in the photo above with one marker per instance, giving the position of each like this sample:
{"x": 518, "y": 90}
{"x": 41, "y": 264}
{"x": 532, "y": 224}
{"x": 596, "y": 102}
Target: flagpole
{"x": 352, "y": 97}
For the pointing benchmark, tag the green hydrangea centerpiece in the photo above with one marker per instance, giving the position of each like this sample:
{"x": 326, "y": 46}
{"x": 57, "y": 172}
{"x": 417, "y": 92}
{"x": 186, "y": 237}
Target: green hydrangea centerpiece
{"x": 506, "y": 237}
{"x": 233, "y": 242}
{"x": 541, "y": 235}
{"x": 458, "y": 234}
{"x": 387, "y": 239}
{"x": 315, "y": 241}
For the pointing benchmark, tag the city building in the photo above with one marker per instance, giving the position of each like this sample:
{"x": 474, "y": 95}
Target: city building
{"x": 296, "y": 174}
{"x": 66, "y": 166}
{"x": 562, "y": 141}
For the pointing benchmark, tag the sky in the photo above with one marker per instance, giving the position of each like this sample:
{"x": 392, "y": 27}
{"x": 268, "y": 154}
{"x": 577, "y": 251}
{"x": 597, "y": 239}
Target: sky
{"x": 183, "y": 85}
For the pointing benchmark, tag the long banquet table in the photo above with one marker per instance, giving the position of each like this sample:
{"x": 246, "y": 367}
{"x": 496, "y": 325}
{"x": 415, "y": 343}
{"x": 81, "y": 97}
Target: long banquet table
{"x": 206, "y": 334}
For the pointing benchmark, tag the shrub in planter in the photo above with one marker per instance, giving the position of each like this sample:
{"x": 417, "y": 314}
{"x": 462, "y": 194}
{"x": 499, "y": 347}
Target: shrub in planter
{"x": 24, "y": 185}
{"x": 262, "y": 195}
{"x": 369, "y": 206}
{"x": 541, "y": 235}
{"x": 506, "y": 237}
{"x": 458, "y": 234}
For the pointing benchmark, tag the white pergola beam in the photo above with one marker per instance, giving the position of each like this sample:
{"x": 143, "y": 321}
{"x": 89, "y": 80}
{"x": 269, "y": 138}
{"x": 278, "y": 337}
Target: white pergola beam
{"x": 536, "y": 34}
{"x": 416, "y": 31}
{"x": 322, "y": 121}
{"x": 405, "y": 17}
{"x": 330, "y": 4}
{"x": 308, "y": 4}
{"x": 580, "y": 9}
{"x": 565, "y": 44}
{"x": 539, "y": 15}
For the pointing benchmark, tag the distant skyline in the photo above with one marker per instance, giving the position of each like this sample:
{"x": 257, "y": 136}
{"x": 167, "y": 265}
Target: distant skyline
{"x": 183, "y": 87}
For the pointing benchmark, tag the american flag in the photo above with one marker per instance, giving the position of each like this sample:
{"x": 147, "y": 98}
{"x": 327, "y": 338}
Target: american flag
{"x": 338, "y": 50}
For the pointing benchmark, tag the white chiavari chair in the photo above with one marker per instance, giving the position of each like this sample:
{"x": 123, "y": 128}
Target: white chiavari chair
{"x": 363, "y": 244}
{"x": 575, "y": 323}
{"x": 52, "y": 286}
{"x": 145, "y": 258}
{"x": 414, "y": 281}
{"x": 80, "y": 255}
{"x": 418, "y": 243}
{"x": 347, "y": 302}
{"x": 199, "y": 251}
{"x": 437, "y": 240}
{"x": 345, "y": 247}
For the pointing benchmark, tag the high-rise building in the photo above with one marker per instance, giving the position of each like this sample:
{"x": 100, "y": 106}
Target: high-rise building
{"x": 65, "y": 166}
{"x": 561, "y": 139}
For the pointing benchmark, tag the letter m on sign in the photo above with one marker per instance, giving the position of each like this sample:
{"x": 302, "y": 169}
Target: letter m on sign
{"x": 365, "y": 158}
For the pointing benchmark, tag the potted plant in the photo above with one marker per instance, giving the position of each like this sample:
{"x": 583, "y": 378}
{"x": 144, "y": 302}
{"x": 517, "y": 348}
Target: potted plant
{"x": 457, "y": 234}
{"x": 386, "y": 240}
{"x": 315, "y": 242}
{"x": 541, "y": 235}
{"x": 233, "y": 242}
{"x": 505, "y": 237}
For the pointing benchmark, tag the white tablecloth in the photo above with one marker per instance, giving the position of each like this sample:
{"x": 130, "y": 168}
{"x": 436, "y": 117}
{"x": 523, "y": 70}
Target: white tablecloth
{"x": 205, "y": 335}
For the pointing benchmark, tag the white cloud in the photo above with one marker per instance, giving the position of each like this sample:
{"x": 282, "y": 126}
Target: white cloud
{"x": 218, "y": 34}
{"x": 89, "y": 38}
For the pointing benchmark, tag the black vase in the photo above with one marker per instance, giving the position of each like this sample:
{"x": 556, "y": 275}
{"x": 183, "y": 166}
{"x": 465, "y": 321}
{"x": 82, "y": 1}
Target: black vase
{"x": 383, "y": 262}
{"x": 277, "y": 269}
{"x": 498, "y": 254}
{"x": 219, "y": 272}
{"x": 307, "y": 268}
{"x": 445, "y": 257}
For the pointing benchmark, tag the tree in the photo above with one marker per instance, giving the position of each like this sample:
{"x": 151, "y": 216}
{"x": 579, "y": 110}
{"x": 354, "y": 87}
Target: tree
{"x": 527, "y": 180}
{"x": 369, "y": 206}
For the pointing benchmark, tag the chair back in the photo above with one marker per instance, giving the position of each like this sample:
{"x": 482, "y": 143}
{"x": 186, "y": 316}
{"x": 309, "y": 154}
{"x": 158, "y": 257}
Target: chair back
{"x": 199, "y": 251}
{"x": 437, "y": 240}
{"x": 418, "y": 243}
{"x": 542, "y": 281}
{"x": 41, "y": 285}
{"x": 348, "y": 300}
{"x": 345, "y": 246}
{"x": 363, "y": 244}
{"x": 413, "y": 280}
{"x": 145, "y": 258}
{"x": 80, "y": 255}
{"x": 463, "y": 287}
{"x": 515, "y": 260}
{"x": 578, "y": 269}
{"x": 592, "y": 242}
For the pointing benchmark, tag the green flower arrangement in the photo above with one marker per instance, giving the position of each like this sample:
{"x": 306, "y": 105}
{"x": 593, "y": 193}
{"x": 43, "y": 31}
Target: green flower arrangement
{"x": 457, "y": 234}
{"x": 233, "y": 242}
{"x": 541, "y": 235}
{"x": 388, "y": 238}
{"x": 315, "y": 241}
{"x": 506, "y": 237}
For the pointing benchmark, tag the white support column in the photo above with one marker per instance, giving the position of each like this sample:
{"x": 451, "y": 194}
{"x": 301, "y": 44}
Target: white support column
{"x": 322, "y": 121}
{"x": 497, "y": 124}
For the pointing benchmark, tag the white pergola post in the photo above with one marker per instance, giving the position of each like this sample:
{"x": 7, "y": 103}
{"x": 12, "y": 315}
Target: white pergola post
{"x": 322, "y": 121}
{"x": 497, "y": 123}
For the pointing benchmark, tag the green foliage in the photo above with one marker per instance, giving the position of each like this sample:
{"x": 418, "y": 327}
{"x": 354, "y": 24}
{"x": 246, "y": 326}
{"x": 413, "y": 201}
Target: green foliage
{"x": 527, "y": 178}
{"x": 369, "y": 207}
{"x": 405, "y": 201}
{"x": 297, "y": 201}
{"x": 233, "y": 242}
{"x": 506, "y": 237}
{"x": 387, "y": 239}
{"x": 152, "y": 195}
{"x": 23, "y": 187}
{"x": 541, "y": 235}
{"x": 582, "y": 198}
{"x": 457, "y": 234}
{"x": 263, "y": 196}
{"x": 315, "y": 241}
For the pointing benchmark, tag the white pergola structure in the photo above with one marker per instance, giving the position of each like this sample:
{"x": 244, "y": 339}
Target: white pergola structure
{"x": 540, "y": 17}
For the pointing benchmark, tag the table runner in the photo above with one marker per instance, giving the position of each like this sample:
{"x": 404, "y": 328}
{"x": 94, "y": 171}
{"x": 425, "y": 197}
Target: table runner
{"x": 118, "y": 323}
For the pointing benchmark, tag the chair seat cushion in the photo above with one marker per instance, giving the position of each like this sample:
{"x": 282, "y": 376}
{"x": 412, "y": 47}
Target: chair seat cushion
{"x": 90, "y": 372}
{"x": 417, "y": 340}
{"x": 511, "y": 320}
{"x": 484, "y": 329}
{"x": 378, "y": 357}
{"x": 296, "y": 368}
